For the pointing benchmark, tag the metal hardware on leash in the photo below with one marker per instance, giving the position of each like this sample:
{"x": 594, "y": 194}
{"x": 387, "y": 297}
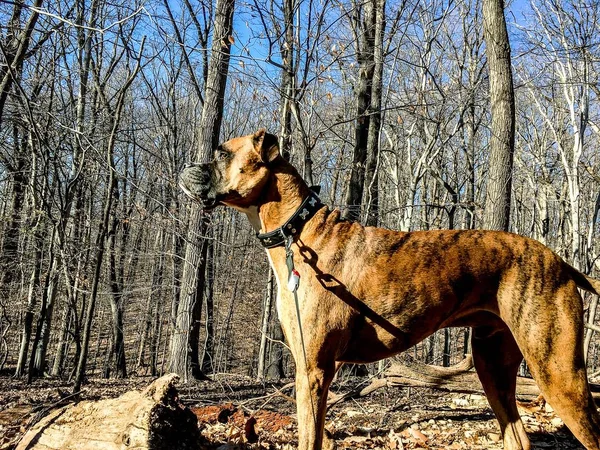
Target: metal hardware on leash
{"x": 293, "y": 274}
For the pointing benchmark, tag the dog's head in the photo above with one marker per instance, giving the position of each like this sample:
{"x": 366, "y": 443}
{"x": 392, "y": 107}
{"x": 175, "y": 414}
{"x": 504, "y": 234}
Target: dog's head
{"x": 236, "y": 175}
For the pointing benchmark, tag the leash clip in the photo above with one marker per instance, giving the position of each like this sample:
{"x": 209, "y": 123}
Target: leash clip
{"x": 289, "y": 239}
{"x": 293, "y": 274}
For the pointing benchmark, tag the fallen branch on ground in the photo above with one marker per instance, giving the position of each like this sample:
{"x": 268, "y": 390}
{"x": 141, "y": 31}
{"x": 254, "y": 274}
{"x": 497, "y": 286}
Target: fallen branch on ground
{"x": 460, "y": 378}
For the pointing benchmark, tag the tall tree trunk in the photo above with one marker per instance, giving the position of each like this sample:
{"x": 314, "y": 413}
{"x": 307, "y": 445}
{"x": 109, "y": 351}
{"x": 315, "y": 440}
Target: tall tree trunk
{"x": 41, "y": 347}
{"x": 33, "y": 293}
{"x": 73, "y": 191}
{"x": 46, "y": 303}
{"x": 502, "y": 140}
{"x": 15, "y": 50}
{"x": 367, "y": 24}
{"x": 11, "y": 235}
{"x": 274, "y": 369}
{"x": 209, "y": 341}
{"x": 155, "y": 340}
{"x": 373, "y": 139}
{"x": 91, "y": 305}
{"x": 117, "y": 350}
{"x": 177, "y": 255}
{"x": 61, "y": 347}
{"x": 153, "y": 302}
{"x": 447, "y": 347}
{"x": 470, "y": 160}
{"x": 288, "y": 94}
{"x": 264, "y": 329}
{"x": 73, "y": 280}
{"x": 183, "y": 354}
{"x": 103, "y": 231}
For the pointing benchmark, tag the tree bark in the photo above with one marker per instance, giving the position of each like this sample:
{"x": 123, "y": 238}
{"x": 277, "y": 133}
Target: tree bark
{"x": 366, "y": 26}
{"x": 11, "y": 235}
{"x": 153, "y": 300}
{"x": 37, "y": 357}
{"x": 502, "y": 140}
{"x": 183, "y": 354}
{"x": 116, "y": 301}
{"x": 40, "y": 349}
{"x": 61, "y": 347}
{"x": 15, "y": 51}
{"x": 34, "y": 288}
{"x": 264, "y": 329}
{"x": 209, "y": 341}
{"x": 275, "y": 370}
{"x": 287, "y": 89}
{"x": 373, "y": 139}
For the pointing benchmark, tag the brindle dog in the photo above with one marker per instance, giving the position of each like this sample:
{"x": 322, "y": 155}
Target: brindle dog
{"x": 368, "y": 293}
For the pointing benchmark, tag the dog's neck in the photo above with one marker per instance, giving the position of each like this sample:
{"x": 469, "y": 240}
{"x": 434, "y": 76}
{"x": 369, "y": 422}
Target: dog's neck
{"x": 283, "y": 194}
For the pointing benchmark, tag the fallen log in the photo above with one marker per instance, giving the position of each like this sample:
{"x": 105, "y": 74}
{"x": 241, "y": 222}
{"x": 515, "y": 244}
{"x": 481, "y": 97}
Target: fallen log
{"x": 460, "y": 378}
{"x": 152, "y": 418}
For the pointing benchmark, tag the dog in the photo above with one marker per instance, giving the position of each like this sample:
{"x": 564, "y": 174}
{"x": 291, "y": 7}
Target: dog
{"x": 353, "y": 294}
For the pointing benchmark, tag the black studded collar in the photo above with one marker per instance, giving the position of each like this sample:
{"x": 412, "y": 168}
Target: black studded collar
{"x": 294, "y": 224}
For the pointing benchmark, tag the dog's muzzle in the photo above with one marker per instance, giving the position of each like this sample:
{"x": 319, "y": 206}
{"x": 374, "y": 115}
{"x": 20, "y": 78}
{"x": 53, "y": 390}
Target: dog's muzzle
{"x": 196, "y": 181}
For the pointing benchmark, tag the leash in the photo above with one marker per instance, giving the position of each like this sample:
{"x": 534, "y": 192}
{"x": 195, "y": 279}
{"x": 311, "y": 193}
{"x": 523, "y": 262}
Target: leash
{"x": 293, "y": 283}
{"x": 284, "y": 236}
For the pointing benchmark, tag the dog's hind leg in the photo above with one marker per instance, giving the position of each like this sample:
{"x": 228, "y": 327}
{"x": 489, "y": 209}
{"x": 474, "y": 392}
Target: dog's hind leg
{"x": 497, "y": 358}
{"x": 554, "y": 353}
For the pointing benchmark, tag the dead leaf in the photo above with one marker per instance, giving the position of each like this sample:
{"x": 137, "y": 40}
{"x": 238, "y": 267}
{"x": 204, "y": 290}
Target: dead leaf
{"x": 249, "y": 430}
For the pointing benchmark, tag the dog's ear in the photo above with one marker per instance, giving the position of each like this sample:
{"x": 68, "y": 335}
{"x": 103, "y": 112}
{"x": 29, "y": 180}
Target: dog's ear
{"x": 267, "y": 145}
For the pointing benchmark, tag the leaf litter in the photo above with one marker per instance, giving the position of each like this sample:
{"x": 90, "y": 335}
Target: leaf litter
{"x": 236, "y": 413}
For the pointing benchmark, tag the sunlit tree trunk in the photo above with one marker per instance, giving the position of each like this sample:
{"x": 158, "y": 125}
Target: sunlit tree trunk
{"x": 366, "y": 26}
{"x": 184, "y": 345}
{"x": 502, "y": 133}
{"x": 371, "y": 189}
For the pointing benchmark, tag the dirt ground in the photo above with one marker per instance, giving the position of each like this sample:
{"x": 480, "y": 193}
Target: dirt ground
{"x": 237, "y": 413}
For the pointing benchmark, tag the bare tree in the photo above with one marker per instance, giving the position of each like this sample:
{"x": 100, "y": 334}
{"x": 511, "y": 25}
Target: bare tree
{"x": 183, "y": 357}
{"x": 15, "y": 47}
{"x": 365, "y": 19}
{"x": 371, "y": 188}
{"x": 502, "y": 131}
{"x": 116, "y": 111}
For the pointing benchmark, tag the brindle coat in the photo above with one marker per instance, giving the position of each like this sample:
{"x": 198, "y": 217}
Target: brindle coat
{"x": 368, "y": 293}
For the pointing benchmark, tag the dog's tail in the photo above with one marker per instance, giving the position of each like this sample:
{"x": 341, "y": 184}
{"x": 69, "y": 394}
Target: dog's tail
{"x": 585, "y": 282}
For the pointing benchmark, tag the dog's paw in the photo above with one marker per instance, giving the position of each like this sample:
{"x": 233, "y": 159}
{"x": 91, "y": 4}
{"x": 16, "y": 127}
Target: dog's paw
{"x": 328, "y": 441}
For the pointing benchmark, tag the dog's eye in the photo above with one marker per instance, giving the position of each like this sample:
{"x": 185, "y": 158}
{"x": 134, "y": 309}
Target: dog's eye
{"x": 221, "y": 155}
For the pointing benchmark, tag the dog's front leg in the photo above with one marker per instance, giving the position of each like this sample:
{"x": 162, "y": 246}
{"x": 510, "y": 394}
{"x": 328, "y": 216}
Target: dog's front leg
{"x": 312, "y": 385}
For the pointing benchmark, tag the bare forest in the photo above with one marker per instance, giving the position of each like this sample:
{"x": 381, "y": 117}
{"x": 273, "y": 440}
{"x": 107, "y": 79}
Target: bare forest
{"x": 107, "y": 269}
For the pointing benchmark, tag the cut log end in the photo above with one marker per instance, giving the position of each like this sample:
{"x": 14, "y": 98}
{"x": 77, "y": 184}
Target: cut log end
{"x": 150, "y": 419}
{"x": 163, "y": 389}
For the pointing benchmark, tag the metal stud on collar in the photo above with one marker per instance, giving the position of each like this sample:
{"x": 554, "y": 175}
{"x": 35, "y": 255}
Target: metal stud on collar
{"x": 294, "y": 224}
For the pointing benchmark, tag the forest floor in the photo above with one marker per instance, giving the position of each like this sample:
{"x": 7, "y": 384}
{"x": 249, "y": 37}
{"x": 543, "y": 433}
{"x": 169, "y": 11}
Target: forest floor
{"x": 235, "y": 412}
